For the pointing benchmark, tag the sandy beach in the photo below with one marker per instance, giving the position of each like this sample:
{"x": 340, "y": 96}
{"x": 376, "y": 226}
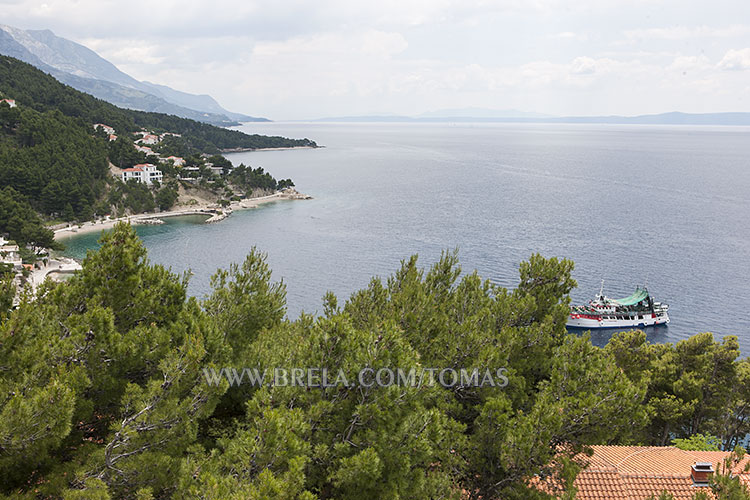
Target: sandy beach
{"x": 213, "y": 213}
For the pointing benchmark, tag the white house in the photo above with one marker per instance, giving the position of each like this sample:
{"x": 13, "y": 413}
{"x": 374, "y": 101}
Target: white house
{"x": 109, "y": 130}
{"x": 144, "y": 149}
{"x": 144, "y": 172}
{"x": 215, "y": 168}
{"x": 10, "y": 254}
{"x": 9, "y": 102}
{"x": 178, "y": 162}
{"x": 148, "y": 139}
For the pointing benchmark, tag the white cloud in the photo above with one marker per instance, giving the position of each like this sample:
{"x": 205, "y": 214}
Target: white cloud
{"x": 296, "y": 58}
{"x": 371, "y": 43}
{"x": 689, "y": 32}
{"x": 583, "y": 66}
{"x": 126, "y": 52}
{"x": 570, "y": 35}
{"x": 736, "y": 60}
{"x": 686, "y": 64}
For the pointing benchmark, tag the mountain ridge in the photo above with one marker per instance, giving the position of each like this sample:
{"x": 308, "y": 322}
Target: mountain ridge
{"x": 83, "y": 69}
{"x": 732, "y": 118}
{"x": 474, "y": 112}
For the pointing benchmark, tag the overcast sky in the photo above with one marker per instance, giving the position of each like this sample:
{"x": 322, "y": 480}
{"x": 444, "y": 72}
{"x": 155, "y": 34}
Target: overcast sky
{"x": 295, "y": 59}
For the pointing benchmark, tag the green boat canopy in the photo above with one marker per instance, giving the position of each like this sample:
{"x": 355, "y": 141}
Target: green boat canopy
{"x": 639, "y": 295}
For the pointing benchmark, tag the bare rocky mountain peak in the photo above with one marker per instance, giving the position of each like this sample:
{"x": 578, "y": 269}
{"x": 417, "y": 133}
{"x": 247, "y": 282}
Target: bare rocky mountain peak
{"x": 84, "y": 70}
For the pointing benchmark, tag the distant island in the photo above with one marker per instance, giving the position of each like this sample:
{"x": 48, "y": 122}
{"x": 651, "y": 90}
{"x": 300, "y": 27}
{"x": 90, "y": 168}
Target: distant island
{"x": 672, "y": 118}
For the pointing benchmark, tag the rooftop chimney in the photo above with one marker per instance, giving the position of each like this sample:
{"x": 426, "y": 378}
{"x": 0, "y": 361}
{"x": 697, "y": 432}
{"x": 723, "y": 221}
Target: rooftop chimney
{"x": 701, "y": 472}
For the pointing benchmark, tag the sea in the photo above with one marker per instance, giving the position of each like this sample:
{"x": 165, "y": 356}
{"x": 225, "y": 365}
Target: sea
{"x": 662, "y": 206}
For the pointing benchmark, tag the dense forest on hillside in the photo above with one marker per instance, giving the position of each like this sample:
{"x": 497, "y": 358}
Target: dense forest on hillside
{"x": 32, "y": 88}
{"x": 52, "y": 159}
{"x": 248, "y": 178}
{"x": 106, "y": 388}
{"x": 22, "y": 223}
{"x": 57, "y": 164}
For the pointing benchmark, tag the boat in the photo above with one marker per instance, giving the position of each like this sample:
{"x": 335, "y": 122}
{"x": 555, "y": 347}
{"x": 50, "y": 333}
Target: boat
{"x": 636, "y": 310}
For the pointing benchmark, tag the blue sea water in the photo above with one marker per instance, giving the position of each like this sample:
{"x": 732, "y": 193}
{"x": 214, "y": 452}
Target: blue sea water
{"x": 667, "y": 206}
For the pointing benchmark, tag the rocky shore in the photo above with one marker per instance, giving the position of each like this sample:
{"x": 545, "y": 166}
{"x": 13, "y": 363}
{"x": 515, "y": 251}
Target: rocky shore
{"x": 213, "y": 213}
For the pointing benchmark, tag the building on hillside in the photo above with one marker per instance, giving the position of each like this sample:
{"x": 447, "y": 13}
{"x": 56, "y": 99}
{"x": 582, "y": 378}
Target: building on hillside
{"x": 144, "y": 172}
{"x": 107, "y": 129}
{"x": 189, "y": 173}
{"x": 144, "y": 149}
{"x": 148, "y": 139}
{"x": 112, "y": 137}
{"x": 10, "y": 254}
{"x": 215, "y": 168}
{"x": 9, "y": 102}
{"x": 178, "y": 162}
{"x": 643, "y": 472}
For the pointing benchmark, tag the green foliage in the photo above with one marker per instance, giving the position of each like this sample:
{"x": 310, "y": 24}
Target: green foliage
{"x": 21, "y": 222}
{"x": 103, "y": 378}
{"x": 694, "y": 387}
{"x": 53, "y": 160}
{"x": 106, "y": 393}
{"x": 724, "y": 484}
{"x": 248, "y": 179}
{"x": 123, "y": 154}
{"x": 244, "y": 304}
{"x": 7, "y": 290}
{"x": 167, "y": 196}
{"x": 698, "y": 442}
{"x": 220, "y": 161}
{"x": 198, "y": 136}
{"x": 51, "y": 155}
{"x": 32, "y": 88}
{"x": 265, "y": 459}
{"x": 134, "y": 196}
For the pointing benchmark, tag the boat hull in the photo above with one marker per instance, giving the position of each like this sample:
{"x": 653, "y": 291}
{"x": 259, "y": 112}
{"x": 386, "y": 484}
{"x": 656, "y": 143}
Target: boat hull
{"x": 591, "y": 323}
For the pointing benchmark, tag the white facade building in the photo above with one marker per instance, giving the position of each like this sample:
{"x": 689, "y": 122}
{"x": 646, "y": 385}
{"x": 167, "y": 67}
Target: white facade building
{"x": 178, "y": 162}
{"x": 145, "y": 173}
{"x": 148, "y": 139}
{"x": 9, "y": 102}
{"x": 10, "y": 254}
{"x": 216, "y": 169}
{"x": 109, "y": 130}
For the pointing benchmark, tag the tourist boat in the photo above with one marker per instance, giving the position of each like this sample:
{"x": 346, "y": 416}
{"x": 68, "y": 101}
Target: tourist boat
{"x": 636, "y": 310}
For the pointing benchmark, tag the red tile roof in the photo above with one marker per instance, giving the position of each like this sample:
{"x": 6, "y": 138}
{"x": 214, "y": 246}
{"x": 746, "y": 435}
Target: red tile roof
{"x": 638, "y": 472}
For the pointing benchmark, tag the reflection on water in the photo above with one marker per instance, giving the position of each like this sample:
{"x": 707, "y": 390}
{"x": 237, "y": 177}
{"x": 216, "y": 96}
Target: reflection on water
{"x": 628, "y": 204}
{"x": 600, "y": 336}
{"x": 76, "y": 245}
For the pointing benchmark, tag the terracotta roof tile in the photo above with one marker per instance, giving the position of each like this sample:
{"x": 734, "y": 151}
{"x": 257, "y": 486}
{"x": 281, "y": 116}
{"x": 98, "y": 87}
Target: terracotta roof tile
{"x": 639, "y": 472}
{"x": 600, "y": 485}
